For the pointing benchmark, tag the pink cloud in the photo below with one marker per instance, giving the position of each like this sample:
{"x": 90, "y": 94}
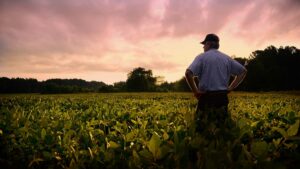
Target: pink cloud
{"x": 63, "y": 36}
{"x": 77, "y": 26}
{"x": 199, "y": 17}
{"x": 266, "y": 21}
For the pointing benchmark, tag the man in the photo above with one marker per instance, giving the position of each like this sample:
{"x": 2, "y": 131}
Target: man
{"x": 211, "y": 71}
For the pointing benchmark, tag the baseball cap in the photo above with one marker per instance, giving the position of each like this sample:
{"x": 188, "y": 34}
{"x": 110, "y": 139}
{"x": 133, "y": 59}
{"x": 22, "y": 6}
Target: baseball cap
{"x": 210, "y": 37}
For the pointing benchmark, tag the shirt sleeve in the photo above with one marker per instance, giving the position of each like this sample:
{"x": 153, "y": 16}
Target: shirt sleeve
{"x": 195, "y": 66}
{"x": 236, "y": 68}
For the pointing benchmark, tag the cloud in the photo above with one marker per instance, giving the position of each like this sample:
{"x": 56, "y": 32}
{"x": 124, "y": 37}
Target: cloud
{"x": 54, "y": 26}
{"x": 265, "y": 21}
{"x": 39, "y": 26}
{"x": 198, "y": 16}
{"x": 71, "y": 28}
{"x": 261, "y": 21}
{"x": 108, "y": 35}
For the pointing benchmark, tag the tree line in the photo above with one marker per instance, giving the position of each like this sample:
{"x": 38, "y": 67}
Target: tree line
{"x": 273, "y": 69}
{"x": 21, "y": 85}
{"x": 270, "y": 69}
{"x": 133, "y": 84}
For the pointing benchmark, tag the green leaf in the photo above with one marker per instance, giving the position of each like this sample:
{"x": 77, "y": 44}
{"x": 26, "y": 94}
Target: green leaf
{"x": 154, "y": 144}
{"x": 91, "y": 153}
{"x": 47, "y": 155}
{"x": 290, "y": 145}
{"x": 68, "y": 125}
{"x": 91, "y": 136}
{"x": 130, "y": 136}
{"x": 196, "y": 142}
{"x": 276, "y": 142}
{"x": 280, "y": 130}
{"x": 43, "y": 134}
{"x": 72, "y": 163}
{"x": 259, "y": 148}
{"x": 179, "y": 128}
{"x": 246, "y": 152}
{"x": 253, "y": 124}
{"x": 242, "y": 123}
{"x": 136, "y": 157}
{"x": 165, "y": 136}
{"x": 99, "y": 132}
{"x": 293, "y": 130}
{"x": 134, "y": 122}
{"x": 176, "y": 141}
{"x": 144, "y": 124}
{"x": 35, "y": 160}
{"x": 112, "y": 144}
{"x": 146, "y": 154}
{"x": 164, "y": 150}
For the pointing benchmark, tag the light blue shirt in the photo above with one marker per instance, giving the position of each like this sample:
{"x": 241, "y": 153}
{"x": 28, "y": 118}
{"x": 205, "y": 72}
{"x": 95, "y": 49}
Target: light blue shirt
{"x": 214, "y": 69}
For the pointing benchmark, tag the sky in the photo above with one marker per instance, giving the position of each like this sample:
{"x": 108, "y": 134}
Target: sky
{"x": 103, "y": 40}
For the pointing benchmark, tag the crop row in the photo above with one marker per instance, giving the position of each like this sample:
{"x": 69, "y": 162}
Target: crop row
{"x": 146, "y": 131}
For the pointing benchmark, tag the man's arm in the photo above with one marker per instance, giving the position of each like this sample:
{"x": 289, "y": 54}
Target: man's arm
{"x": 196, "y": 79}
{"x": 237, "y": 80}
{"x": 191, "y": 82}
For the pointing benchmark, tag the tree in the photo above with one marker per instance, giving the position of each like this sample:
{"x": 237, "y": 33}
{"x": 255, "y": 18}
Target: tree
{"x": 140, "y": 80}
{"x": 18, "y": 85}
{"x": 181, "y": 85}
{"x": 273, "y": 69}
{"x": 120, "y": 86}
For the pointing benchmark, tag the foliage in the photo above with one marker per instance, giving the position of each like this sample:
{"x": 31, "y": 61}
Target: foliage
{"x": 273, "y": 69}
{"x": 140, "y": 80}
{"x": 146, "y": 130}
{"x": 19, "y": 85}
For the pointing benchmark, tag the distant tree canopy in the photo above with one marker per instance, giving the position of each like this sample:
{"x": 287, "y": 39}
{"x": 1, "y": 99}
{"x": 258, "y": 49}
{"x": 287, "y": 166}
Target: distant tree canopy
{"x": 140, "y": 80}
{"x": 70, "y": 86}
{"x": 20, "y": 85}
{"x": 268, "y": 70}
{"x": 273, "y": 69}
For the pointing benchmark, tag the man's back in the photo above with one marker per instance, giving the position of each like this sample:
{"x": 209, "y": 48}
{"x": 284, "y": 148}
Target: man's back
{"x": 213, "y": 69}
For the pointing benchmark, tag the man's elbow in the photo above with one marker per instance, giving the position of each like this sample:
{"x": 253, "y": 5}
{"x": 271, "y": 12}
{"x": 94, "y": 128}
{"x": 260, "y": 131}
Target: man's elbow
{"x": 243, "y": 74}
{"x": 245, "y": 71}
{"x": 188, "y": 73}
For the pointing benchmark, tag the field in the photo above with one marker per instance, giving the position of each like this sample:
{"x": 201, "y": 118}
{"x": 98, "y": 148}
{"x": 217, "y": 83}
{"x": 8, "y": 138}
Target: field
{"x": 147, "y": 130}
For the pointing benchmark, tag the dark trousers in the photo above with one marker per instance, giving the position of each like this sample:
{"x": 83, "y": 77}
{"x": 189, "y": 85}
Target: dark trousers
{"x": 214, "y": 122}
{"x": 212, "y": 108}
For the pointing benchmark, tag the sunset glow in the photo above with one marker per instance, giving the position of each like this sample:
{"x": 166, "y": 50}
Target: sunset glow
{"x": 103, "y": 40}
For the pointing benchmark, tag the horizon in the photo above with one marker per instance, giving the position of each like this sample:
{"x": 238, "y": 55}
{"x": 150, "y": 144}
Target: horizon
{"x": 104, "y": 40}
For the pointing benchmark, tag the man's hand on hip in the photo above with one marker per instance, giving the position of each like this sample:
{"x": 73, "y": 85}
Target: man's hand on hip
{"x": 198, "y": 94}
